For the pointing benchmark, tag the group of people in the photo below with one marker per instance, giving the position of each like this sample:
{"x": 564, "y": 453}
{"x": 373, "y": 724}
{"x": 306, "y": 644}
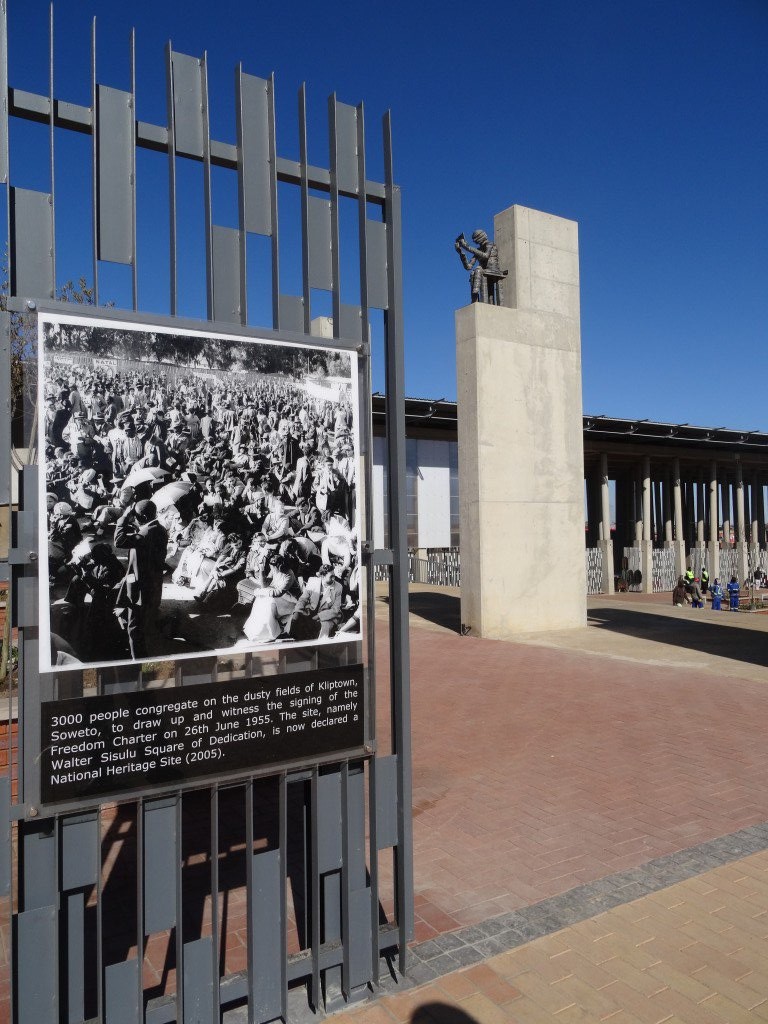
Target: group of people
{"x": 691, "y": 589}
{"x": 232, "y": 496}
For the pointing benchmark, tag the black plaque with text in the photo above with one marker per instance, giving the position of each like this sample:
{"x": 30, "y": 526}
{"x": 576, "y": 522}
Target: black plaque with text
{"x": 101, "y": 745}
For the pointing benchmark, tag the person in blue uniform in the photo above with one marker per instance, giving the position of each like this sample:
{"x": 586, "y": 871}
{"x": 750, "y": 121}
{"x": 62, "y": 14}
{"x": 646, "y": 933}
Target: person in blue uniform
{"x": 733, "y": 595}
{"x": 717, "y": 596}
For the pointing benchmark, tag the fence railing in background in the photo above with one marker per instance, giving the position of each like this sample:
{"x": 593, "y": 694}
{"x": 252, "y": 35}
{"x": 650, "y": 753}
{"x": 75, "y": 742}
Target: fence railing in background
{"x": 441, "y": 568}
{"x": 664, "y": 575}
{"x": 594, "y": 563}
{"x": 633, "y": 573}
{"x": 728, "y": 564}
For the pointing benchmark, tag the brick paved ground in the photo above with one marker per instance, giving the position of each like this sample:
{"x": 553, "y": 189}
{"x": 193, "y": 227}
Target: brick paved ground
{"x": 537, "y": 769}
{"x": 696, "y": 952}
{"x": 545, "y": 765}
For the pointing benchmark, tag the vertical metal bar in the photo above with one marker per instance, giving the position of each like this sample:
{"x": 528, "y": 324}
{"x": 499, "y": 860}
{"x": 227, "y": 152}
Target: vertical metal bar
{"x": 134, "y": 119}
{"x": 346, "y": 987}
{"x": 249, "y": 894}
{"x": 366, "y": 360}
{"x": 362, "y": 222}
{"x": 4, "y": 176}
{"x": 5, "y": 158}
{"x": 99, "y": 923}
{"x": 215, "y": 903}
{"x": 399, "y": 640}
{"x": 367, "y": 428}
{"x": 171, "y": 177}
{"x": 207, "y": 188}
{"x": 335, "y": 259}
{"x": 315, "y": 884}
{"x": 179, "y": 906}
{"x": 140, "y": 899}
{"x": 304, "y": 208}
{"x": 283, "y": 847}
{"x": 94, "y": 165}
{"x": 273, "y": 203}
{"x": 373, "y": 871}
{"x": 51, "y": 132}
{"x": 241, "y": 195}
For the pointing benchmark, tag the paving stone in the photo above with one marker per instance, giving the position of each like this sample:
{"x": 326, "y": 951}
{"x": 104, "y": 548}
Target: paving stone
{"x": 471, "y": 935}
{"x": 494, "y": 926}
{"x": 427, "y": 950}
{"x": 449, "y": 941}
{"x": 467, "y": 955}
{"x": 444, "y": 964}
{"x": 420, "y": 972}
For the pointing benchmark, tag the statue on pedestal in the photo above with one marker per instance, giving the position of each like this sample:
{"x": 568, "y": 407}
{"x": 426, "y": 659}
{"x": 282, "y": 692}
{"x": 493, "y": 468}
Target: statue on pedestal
{"x": 485, "y": 273}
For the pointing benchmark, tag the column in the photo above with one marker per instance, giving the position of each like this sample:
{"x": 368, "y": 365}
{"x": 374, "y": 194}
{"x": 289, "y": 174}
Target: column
{"x": 679, "y": 541}
{"x": 713, "y": 547}
{"x": 646, "y": 547}
{"x": 518, "y": 368}
{"x": 667, "y": 502}
{"x": 742, "y": 550}
{"x": 593, "y": 506}
{"x": 605, "y": 542}
{"x": 658, "y": 518}
{"x": 638, "y": 484}
{"x": 761, "y": 511}
{"x": 700, "y": 509}
{"x": 725, "y": 498}
{"x": 754, "y": 508}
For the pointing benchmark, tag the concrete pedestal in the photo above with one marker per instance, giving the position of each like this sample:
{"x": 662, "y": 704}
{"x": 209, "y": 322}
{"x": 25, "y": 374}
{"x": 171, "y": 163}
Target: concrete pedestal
{"x": 680, "y": 566}
{"x": 646, "y": 565}
{"x": 521, "y": 458}
{"x": 713, "y": 561}
{"x": 606, "y": 546}
{"x": 742, "y": 560}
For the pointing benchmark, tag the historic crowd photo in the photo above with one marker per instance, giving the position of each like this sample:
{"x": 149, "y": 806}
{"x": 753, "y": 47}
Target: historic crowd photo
{"x": 200, "y": 494}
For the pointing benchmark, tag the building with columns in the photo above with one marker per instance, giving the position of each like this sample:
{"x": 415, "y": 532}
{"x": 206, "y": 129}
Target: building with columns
{"x": 658, "y": 496}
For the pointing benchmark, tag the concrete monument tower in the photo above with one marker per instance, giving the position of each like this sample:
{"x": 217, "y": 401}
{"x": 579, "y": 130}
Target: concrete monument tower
{"x": 521, "y": 459}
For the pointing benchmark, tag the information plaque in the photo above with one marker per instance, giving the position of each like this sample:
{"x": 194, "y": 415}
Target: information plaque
{"x": 103, "y": 745}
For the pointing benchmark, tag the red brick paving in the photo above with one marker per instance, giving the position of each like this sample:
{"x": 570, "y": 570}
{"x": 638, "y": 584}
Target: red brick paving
{"x": 536, "y": 770}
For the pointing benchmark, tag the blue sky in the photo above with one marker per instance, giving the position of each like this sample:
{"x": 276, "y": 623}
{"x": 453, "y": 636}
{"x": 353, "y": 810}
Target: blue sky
{"x": 647, "y": 122}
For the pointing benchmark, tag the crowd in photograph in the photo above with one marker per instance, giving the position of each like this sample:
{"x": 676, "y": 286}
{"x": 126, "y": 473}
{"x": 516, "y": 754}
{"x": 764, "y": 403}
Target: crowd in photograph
{"x": 193, "y": 512}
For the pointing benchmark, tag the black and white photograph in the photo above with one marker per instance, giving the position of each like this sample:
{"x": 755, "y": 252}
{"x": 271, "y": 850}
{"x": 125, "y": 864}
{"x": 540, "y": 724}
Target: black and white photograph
{"x": 200, "y": 494}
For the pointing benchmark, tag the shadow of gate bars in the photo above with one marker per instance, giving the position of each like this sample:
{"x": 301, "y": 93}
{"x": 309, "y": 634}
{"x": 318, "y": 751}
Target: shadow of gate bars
{"x": 271, "y": 889}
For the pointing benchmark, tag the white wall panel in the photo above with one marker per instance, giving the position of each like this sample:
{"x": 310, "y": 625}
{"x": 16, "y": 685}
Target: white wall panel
{"x": 434, "y": 490}
{"x": 379, "y": 449}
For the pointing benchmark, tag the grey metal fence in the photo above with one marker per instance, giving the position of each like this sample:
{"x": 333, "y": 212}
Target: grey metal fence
{"x": 729, "y": 564}
{"x": 438, "y": 569}
{"x": 664, "y": 576}
{"x": 633, "y": 573}
{"x": 594, "y": 564}
{"x": 185, "y": 900}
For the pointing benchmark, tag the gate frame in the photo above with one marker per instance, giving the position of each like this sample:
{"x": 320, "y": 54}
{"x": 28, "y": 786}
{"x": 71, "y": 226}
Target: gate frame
{"x": 40, "y": 839}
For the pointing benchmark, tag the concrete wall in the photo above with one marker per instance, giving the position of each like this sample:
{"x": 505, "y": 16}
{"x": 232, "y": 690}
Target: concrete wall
{"x": 521, "y": 460}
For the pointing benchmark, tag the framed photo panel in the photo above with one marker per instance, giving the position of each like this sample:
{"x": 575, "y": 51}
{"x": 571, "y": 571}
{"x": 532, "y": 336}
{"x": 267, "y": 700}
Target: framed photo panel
{"x": 200, "y": 494}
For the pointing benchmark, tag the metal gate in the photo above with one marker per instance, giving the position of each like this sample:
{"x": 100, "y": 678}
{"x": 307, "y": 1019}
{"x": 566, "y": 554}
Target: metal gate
{"x": 265, "y": 889}
{"x": 664, "y": 577}
{"x": 594, "y": 564}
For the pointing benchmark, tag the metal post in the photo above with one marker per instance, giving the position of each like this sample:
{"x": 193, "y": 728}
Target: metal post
{"x": 399, "y": 638}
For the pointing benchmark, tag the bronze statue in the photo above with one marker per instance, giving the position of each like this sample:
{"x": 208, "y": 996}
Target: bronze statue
{"x": 485, "y": 273}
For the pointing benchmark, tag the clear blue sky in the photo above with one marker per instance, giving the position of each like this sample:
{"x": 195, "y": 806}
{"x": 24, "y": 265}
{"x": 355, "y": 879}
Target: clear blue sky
{"x": 646, "y": 122}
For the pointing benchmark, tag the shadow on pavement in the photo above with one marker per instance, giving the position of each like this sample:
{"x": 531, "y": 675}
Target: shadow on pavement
{"x": 694, "y": 631}
{"x": 443, "y": 1013}
{"x": 435, "y": 606}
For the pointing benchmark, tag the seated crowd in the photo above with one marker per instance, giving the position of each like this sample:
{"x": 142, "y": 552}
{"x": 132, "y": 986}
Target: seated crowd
{"x": 235, "y": 494}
